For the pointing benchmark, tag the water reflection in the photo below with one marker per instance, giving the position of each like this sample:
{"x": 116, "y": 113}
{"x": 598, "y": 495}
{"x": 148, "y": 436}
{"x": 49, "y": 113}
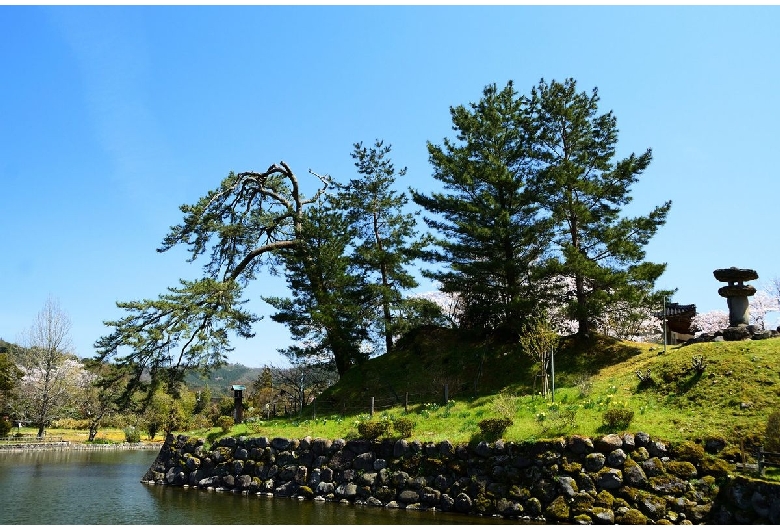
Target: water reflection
{"x": 103, "y": 487}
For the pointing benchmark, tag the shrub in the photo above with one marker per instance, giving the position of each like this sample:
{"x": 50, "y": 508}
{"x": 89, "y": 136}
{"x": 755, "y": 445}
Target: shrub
{"x": 403, "y": 426}
{"x": 132, "y": 435}
{"x": 698, "y": 364}
{"x": 5, "y": 427}
{"x": 225, "y": 423}
{"x": 505, "y": 405}
{"x": 617, "y": 418}
{"x": 645, "y": 379}
{"x": 100, "y": 441}
{"x": 584, "y": 385}
{"x": 373, "y": 429}
{"x": 494, "y": 428}
{"x": 772, "y": 433}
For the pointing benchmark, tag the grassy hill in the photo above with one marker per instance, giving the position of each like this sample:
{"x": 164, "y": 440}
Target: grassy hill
{"x": 708, "y": 390}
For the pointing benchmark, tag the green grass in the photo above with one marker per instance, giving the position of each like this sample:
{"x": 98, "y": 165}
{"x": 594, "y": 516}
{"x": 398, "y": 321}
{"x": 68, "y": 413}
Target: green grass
{"x": 731, "y": 398}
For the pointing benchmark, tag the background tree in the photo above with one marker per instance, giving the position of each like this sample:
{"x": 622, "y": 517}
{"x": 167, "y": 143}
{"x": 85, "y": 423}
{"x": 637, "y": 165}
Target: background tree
{"x": 166, "y": 413}
{"x": 386, "y": 240}
{"x": 709, "y": 322}
{"x": 760, "y": 304}
{"x": 242, "y": 225}
{"x": 98, "y": 396}
{"x": 9, "y": 382}
{"x": 328, "y": 313}
{"x": 491, "y": 231}
{"x": 262, "y": 392}
{"x": 450, "y": 307}
{"x": 301, "y": 382}
{"x": 51, "y": 372}
{"x": 585, "y": 190}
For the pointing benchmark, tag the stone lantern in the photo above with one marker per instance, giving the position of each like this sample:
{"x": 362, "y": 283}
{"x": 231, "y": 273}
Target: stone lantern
{"x": 736, "y": 294}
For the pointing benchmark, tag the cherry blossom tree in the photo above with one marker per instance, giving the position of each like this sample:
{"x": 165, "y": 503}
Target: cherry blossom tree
{"x": 761, "y": 303}
{"x": 709, "y": 322}
{"x": 52, "y": 374}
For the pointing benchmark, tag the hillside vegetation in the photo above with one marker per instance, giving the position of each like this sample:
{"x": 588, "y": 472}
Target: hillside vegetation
{"x": 708, "y": 390}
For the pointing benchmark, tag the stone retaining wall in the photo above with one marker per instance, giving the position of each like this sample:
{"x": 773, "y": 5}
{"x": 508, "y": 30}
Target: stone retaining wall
{"x": 626, "y": 479}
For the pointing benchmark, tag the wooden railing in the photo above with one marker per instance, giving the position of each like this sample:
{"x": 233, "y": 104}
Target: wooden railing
{"x": 767, "y": 459}
{"x": 30, "y": 440}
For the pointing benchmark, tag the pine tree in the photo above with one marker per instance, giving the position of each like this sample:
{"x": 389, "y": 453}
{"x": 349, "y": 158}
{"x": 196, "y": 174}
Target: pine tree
{"x": 585, "y": 190}
{"x": 326, "y": 314}
{"x": 386, "y": 238}
{"x": 491, "y": 230}
{"x": 243, "y": 225}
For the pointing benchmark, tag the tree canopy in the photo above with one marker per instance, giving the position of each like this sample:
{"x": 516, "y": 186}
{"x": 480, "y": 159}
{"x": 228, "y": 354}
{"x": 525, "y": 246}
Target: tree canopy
{"x": 533, "y": 199}
{"x": 488, "y": 218}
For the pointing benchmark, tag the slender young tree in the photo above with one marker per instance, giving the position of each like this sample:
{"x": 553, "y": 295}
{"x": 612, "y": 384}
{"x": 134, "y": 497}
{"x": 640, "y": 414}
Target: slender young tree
{"x": 491, "y": 230}
{"x": 584, "y": 189}
{"x": 386, "y": 238}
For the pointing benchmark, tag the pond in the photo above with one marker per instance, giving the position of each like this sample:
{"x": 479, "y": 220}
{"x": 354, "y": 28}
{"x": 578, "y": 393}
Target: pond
{"x": 103, "y": 487}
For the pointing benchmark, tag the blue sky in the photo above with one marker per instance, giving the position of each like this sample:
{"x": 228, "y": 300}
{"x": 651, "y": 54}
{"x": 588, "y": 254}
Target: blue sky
{"x": 111, "y": 117}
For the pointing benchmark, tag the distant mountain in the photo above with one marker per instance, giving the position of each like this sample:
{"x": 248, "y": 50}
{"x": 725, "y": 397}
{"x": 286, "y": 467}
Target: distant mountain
{"x": 221, "y": 379}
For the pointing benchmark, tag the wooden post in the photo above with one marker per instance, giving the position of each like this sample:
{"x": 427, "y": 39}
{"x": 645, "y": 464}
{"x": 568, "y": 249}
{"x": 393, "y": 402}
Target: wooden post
{"x": 761, "y": 461}
{"x": 446, "y": 393}
{"x": 372, "y": 406}
{"x": 406, "y": 402}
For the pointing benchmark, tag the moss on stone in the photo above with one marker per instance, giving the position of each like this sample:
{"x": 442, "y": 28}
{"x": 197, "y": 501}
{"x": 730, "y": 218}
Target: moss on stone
{"x": 717, "y": 467}
{"x": 681, "y": 469}
{"x": 620, "y": 503}
{"x": 605, "y": 499}
{"x": 558, "y": 510}
{"x": 482, "y": 503}
{"x": 631, "y": 516}
{"x": 583, "y": 519}
{"x": 517, "y": 492}
{"x": 571, "y": 468}
{"x": 581, "y": 502}
{"x": 688, "y": 451}
{"x": 305, "y": 491}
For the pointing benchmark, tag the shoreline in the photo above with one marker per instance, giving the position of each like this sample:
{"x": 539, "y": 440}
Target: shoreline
{"x": 79, "y": 446}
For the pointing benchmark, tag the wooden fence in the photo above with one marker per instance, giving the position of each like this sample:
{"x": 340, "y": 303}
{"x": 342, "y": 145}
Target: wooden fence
{"x": 372, "y": 405}
{"x": 766, "y": 459}
{"x": 30, "y": 440}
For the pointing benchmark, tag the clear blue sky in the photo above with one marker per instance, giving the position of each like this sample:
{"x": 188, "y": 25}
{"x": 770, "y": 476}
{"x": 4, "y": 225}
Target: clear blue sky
{"x": 112, "y": 117}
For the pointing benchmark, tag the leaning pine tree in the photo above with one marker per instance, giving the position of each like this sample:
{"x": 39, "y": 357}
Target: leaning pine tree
{"x": 241, "y": 226}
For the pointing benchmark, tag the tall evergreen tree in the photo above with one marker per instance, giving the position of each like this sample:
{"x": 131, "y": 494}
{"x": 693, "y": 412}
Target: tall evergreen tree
{"x": 326, "y": 313}
{"x": 491, "y": 228}
{"x": 584, "y": 189}
{"x": 386, "y": 237}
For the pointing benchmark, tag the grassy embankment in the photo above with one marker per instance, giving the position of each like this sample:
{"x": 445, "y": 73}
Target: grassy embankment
{"x": 730, "y": 398}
